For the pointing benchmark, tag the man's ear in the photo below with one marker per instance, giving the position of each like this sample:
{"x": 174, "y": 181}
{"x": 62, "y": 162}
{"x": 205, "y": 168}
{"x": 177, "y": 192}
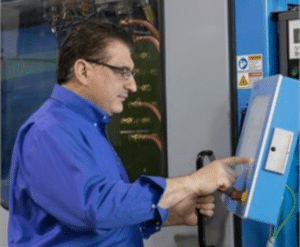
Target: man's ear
{"x": 82, "y": 71}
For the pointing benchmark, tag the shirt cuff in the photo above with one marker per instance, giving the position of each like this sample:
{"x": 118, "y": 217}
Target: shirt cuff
{"x": 154, "y": 225}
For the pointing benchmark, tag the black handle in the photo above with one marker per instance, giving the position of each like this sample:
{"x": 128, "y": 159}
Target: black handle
{"x": 199, "y": 164}
{"x": 202, "y": 155}
{"x": 4, "y": 205}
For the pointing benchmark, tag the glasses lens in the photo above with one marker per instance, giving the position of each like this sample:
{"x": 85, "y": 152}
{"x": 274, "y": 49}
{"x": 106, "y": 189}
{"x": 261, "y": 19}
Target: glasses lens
{"x": 126, "y": 74}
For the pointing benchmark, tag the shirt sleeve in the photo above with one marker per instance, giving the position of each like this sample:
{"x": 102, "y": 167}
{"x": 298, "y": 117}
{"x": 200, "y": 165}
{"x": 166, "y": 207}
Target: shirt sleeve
{"x": 64, "y": 181}
{"x": 154, "y": 225}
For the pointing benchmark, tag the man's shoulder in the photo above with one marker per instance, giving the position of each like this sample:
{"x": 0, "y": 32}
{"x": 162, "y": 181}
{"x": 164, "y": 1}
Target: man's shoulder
{"x": 52, "y": 117}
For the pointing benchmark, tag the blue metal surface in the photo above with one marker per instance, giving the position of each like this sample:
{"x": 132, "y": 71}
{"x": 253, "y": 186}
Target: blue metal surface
{"x": 288, "y": 235}
{"x": 269, "y": 187}
{"x": 265, "y": 188}
{"x": 257, "y": 33}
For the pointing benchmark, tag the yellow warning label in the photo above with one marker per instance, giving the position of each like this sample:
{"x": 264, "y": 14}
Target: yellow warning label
{"x": 249, "y": 70}
{"x": 254, "y": 57}
{"x": 243, "y": 82}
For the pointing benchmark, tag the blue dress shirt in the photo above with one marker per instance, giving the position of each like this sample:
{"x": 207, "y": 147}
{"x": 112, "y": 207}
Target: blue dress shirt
{"x": 68, "y": 187}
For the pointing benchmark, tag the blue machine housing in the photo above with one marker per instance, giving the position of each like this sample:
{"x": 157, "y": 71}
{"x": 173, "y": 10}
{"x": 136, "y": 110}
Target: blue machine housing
{"x": 257, "y": 33}
{"x": 265, "y": 189}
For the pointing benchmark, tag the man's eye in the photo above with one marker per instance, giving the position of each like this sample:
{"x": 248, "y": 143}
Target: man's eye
{"x": 124, "y": 72}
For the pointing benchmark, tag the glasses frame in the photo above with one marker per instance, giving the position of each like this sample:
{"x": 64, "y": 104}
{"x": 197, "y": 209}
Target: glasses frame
{"x": 124, "y": 72}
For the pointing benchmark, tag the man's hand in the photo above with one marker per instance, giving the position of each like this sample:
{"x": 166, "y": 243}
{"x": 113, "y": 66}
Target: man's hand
{"x": 206, "y": 205}
{"x": 184, "y": 213}
{"x": 217, "y": 175}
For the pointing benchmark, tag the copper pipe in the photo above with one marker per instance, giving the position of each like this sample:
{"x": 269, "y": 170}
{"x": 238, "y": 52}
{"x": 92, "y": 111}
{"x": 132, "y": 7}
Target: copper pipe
{"x": 148, "y": 105}
{"x": 148, "y": 137}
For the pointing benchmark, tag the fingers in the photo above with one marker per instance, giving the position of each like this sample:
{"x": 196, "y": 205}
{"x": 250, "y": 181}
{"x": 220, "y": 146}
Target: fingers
{"x": 207, "y": 213}
{"x": 205, "y": 199}
{"x": 231, "y": 161}
{"x": 230, "y": 172}
{"x": 225, "y": 184}
{"x": 226, "y": 181}
{"x": 231, "y": 175}
{"x": 218, "y": 175}
{"x": 206, "y": 205}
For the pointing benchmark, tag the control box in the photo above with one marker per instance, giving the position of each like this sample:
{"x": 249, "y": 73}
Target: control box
{"x": 269, "y": 135}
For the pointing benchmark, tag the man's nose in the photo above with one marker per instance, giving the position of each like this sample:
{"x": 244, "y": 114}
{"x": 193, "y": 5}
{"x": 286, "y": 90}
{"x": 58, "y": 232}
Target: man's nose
{"x": 131, "y": 85}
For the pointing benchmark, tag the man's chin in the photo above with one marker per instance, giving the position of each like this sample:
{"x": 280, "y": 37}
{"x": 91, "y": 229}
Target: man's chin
{"x": 118, "y": 110}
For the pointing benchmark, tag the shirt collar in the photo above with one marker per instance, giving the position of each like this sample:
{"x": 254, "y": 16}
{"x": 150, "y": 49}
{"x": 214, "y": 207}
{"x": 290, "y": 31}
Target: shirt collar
{"x": 80, "y": 105}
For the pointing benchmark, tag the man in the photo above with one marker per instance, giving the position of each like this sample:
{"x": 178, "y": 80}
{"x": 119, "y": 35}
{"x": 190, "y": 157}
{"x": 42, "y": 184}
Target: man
{"x": 68, "y": 186}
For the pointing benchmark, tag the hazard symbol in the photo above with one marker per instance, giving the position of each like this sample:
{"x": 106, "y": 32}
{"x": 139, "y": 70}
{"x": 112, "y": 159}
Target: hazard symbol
{"x": 243, "y": 82}
{"x": 249, "y": 69}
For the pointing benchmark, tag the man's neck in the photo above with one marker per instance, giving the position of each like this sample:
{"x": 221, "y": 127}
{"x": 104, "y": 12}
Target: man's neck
{"x": 75, "y": 87}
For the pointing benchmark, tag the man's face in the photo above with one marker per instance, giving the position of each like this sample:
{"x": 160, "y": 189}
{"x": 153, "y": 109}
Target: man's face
{"x": 107, "y": 87}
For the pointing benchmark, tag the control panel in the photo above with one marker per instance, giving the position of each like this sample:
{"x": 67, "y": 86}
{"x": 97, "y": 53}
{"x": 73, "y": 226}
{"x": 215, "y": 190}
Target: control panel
{"x": 269, "y": 136}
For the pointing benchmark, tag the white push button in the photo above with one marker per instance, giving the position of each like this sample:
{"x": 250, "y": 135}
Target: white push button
{"x": 279, "y": 150}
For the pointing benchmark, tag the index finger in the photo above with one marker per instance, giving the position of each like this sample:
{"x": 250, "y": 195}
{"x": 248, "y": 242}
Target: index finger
{"x": 231, "y": 161}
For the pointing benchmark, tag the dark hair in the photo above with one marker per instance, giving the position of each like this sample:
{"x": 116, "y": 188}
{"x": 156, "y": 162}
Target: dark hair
{"x": 86, "y": 40}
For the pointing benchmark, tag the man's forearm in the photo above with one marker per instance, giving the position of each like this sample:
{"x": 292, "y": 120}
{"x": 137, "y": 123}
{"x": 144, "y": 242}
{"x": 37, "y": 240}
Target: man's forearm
{"x": 181, "y": 192}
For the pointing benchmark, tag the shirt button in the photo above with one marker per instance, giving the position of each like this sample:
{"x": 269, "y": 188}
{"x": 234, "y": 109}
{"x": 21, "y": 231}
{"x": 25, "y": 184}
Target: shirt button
{"x": 153, "y": 206}
{"x": 95, "y": 124}
{"x": 157, "y": 223}
{"x": 157, "y": 228}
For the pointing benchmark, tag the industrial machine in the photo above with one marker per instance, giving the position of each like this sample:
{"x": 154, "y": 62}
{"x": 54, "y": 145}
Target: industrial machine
{"x": 264, "y": 42}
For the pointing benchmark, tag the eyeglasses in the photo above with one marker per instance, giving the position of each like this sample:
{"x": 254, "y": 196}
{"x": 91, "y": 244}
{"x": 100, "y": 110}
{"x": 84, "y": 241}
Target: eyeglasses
{"x": 123, "y": 72}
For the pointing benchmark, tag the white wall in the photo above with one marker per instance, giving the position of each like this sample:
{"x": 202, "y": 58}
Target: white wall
{"x": 3, "y": 227}
{"x": 197, "y": 92}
